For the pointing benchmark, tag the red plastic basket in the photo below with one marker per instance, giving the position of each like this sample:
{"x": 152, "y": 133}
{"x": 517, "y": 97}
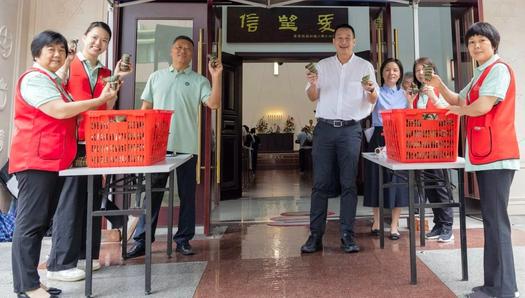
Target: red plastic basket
{"x": 419, "y": 135}
{"x": 121, "y": 138}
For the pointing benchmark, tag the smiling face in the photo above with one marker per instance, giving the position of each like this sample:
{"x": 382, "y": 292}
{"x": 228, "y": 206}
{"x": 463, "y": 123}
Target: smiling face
{"x": 52, "y": 57}
{"x": 419, "y": 72}
{"x": 95, "y": 42}
{"x": 391, "y": 74}
{"x": 181, "y": 54}
{"x": 344, "y": 42}
{"x": 480, "y": 48}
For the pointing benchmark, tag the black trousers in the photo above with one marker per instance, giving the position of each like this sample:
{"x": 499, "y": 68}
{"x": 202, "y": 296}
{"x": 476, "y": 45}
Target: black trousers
{"x": 186, "y": 185}
{"x": 69, "y": 222}
{"x": 498, "y": 260}
{"x": 37, "y": 201}
{"x": 335, "y": 154}
{"x": 302, "y": 159}
{"x": 443, "y": 217}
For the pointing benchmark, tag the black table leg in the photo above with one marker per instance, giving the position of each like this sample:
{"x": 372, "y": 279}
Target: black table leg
{"x": 89, "y": 240}
{"x": 381, "y": 209}
{"x": 170, "y": 212}
{"x": 412, "y": 228}
{"x": 462, "y": 225}
{"x": 147, "y": 257}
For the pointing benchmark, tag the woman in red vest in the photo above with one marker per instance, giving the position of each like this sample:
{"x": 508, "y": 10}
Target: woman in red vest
{"x": 426, "y": 97}
{"x": 44, "y": 142}
{"x": 488, "y": 104}
{"x": 84, "y": 76}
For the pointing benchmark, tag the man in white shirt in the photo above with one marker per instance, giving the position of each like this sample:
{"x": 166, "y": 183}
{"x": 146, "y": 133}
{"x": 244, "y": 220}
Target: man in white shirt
{"x": 344, "y": 97}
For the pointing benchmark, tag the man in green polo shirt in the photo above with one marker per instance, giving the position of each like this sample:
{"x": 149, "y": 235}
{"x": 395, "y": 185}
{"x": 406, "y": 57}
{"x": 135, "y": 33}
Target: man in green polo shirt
{"x": 180, "y": 89}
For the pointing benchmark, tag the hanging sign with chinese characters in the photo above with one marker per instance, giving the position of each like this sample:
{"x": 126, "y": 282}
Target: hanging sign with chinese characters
{"x": 255, "y": 25}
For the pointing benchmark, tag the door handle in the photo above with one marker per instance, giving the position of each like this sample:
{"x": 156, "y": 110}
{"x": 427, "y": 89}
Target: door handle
{"x": 218, "y": 126}
{"x": 199, "y": 111}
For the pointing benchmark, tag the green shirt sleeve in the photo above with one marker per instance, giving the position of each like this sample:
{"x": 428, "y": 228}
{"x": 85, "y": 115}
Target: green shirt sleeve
{"x": 205, "y": 90}
{"x": 37, "y": 89}
{"x": 147, "y": 94}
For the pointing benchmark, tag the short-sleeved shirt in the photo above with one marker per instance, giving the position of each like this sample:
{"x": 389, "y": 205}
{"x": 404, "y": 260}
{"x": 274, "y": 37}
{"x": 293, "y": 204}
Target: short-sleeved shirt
{"x": 181, "y": 92}
{"x": 389, "y": 98}
{"x": 37, "y": 89}
{"x": 423, "y": 101}
{"x": 341, "y": 95}
{"x": 91, "y": 71}
{"x": 496, "y": 84}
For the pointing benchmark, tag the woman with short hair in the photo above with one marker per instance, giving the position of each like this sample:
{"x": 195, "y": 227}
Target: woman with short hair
{"x": 44, "y": 143}
{"x": 492, "y": 153}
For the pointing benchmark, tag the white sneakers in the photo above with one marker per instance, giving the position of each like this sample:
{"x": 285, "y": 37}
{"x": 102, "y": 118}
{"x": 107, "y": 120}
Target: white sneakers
{"x": 73, "y": 274}
{"x": 82, "y": 265}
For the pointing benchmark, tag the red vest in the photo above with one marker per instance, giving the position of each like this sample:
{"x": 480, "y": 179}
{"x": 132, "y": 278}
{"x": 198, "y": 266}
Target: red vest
{"x": 79, "y": 87}
{"x": 430, "y": 105}
{"x": 40, "y": 142}
{"x": 492, "y": 137}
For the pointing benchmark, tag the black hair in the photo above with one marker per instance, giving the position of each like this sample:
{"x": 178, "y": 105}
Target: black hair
{"x": 46, "y": 38}
{"x": 484, "y": 29}
{"x": 408, "y": 75}
{"x": 344, "y": 26}
{"x": 183, "y": 37}
{"x": 99, "y": 25}
{"x": 383, "y": 65}
{"x": 252, "y": 130}
{"x": 423, "y": 61}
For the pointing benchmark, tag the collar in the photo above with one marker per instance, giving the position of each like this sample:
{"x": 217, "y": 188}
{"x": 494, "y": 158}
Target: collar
{"x": 390, "y": 89}
{"x": 85, "y": 60}
{"x": 349, "y": 60}
{"x": 185, "y": 70}
{"x": 492, "y": 59}
{"x": 50, "y": 73}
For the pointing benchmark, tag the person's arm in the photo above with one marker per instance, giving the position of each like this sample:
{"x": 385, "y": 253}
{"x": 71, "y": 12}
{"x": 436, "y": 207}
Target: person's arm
{"x": 59, "y": 109}
{"x": 371, "y": 86}
{"x": 120, "y": 73}
{"x": 214, "y": 101}
{"x": 146, "y": 105}
{"x": 450, "y": 96}
{"x": 478, "y": 108}
{"x": 371, "y": 92}
{"x": 410, "y": 98}
{"x": 313, "y": 90}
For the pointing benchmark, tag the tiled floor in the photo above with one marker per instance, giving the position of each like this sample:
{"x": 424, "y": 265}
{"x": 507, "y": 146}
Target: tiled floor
{"x": 252, "y": 259}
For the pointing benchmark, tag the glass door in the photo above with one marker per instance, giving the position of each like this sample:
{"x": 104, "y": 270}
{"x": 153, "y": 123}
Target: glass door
{"x": 147, "y": 32}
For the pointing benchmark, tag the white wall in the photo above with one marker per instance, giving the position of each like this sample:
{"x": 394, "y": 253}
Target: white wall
{"x": 263, "y": 93}
{"x": 10, "y": 29}
{"x": 69, "y": 17}
{"x": 507, "y": 17}
{"x": 23, "y": 20}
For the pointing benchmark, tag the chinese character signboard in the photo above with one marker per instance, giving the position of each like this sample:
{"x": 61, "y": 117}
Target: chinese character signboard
{"x": 250, "y": 25}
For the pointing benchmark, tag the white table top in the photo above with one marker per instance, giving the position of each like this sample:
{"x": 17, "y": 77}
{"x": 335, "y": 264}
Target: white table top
{"x": 396, "y": 165}
{"x": 164, "y": 166}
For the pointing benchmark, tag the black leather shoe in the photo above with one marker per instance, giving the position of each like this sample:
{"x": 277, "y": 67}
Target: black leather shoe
{"x": 184, "y": 248}
{"x": 137, "y": 250}
{"x": 375, "y": 232}
{"x": 24, "y": 295}
{"x": 348, "y": 244}
{"x": 313, "y": 244}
